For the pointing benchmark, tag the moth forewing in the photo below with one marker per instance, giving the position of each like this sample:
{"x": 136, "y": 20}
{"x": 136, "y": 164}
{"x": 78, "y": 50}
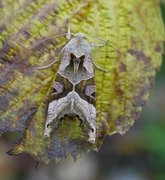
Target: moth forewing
{"x": 72, "y": 105}
{"x": 73, "y": 88}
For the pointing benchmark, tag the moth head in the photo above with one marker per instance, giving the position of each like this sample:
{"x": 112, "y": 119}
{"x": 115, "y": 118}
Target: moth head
{"x": 80, "y": 36}
{"x": 80, "y": 40}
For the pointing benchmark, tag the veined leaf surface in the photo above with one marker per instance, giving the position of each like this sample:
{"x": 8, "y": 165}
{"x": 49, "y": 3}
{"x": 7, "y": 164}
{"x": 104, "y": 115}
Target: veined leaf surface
{"x": 134, "y": 33}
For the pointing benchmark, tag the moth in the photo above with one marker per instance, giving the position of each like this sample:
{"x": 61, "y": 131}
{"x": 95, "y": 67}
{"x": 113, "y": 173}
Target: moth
{"x": 73, "y": 91}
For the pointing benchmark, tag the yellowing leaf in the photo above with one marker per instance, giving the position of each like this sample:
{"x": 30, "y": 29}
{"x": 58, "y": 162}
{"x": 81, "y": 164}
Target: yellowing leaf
{"x": 134, "y": 34}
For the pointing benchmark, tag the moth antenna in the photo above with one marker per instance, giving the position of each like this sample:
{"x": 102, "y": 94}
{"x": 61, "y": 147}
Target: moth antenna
{"x": 100, "y": 39}
{"x": 68, "y": 34}
{"x": 51, "y": 64}
{"x": 50, "y": 37}
{"x": 47, "y": 66}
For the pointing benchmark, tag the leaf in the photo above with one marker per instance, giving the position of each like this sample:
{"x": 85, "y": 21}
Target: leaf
{"x": 134, "y": 32}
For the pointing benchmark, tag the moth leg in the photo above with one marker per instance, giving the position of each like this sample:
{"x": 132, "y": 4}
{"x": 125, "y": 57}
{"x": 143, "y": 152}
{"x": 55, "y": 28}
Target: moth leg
{"x": 99, "y": 68}
{"x": 51, "y": 64}
{"x": 47, "y": 66}
{"x": 98, "y": 45}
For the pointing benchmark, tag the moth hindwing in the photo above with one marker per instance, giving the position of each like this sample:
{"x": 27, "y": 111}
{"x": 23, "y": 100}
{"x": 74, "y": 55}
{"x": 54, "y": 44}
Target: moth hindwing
{"x": 73, "y": 91}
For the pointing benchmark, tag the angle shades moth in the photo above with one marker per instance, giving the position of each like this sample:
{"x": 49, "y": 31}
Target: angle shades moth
{"x": 73, "y": 91}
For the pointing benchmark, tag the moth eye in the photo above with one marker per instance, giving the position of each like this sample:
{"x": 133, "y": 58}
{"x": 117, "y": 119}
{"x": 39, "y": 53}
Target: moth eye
{"x": 48, "y": 125}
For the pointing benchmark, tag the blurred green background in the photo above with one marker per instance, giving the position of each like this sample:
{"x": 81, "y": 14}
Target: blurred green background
{"x": 139, "y": 155}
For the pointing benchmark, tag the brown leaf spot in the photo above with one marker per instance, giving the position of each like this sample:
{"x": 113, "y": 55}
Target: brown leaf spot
{"x": 158, "y": 48}
{"x": 151, "y": 80}
{"x": 47, "y": 10}
{"x": 135, "y": 115}
{"x": 26, "y": 119}
{"x": 1, "y": 4}
{"x": 25, "y": 33}
{"x": 140, "y": 56}
{"x": 139, "y": 101}
{"x": 2, "y": 28}
{"x": 119, "y": 121}
{"x": 122, "y": 67}
{"x": 4, "y": 101}
{"x": 144, "y": 90}
{"x": 4, "y": 51}
{"x": 117, "y": 86}
{"x": 18, "y": 124}
{"x": 121, "y": 124}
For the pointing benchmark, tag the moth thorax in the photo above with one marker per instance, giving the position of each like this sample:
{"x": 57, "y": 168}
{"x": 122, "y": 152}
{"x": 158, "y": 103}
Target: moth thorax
{"x": 77, "y": 62}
